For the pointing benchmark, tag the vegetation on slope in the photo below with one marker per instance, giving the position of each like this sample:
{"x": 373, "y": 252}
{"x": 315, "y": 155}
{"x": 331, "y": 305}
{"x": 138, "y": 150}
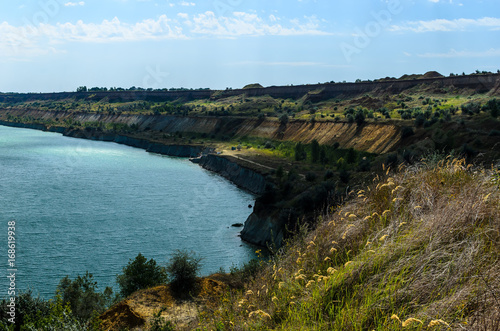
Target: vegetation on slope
{"x": 417, "y": 249}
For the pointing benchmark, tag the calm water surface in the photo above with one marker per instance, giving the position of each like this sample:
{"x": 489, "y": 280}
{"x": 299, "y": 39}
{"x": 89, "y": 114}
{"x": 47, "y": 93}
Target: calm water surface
{"x": 83, "y": 205}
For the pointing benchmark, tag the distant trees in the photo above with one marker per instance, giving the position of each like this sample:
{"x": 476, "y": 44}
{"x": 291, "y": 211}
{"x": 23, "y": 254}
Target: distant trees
{"x": 81, "y": 89}
{"x": 493, "y": 107}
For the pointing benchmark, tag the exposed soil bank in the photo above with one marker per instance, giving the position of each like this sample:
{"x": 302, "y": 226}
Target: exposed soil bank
{"x": 376, "y": 138}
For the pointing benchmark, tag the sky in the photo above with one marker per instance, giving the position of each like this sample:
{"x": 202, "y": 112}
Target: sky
{"x": 59, "y": 45}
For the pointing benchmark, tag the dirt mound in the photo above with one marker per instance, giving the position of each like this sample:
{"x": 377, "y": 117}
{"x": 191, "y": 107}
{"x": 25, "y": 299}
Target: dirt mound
{"x": 139, "y": 308}
{"x": 121, "y": 316}
{"x": 409, "y": 77}
{"x": 432, "y": 74}
{"x": 256, "y": 85}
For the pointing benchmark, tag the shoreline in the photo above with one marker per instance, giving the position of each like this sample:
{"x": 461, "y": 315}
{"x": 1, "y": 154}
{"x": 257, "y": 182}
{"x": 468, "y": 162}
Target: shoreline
{"x": 223, "y": 166}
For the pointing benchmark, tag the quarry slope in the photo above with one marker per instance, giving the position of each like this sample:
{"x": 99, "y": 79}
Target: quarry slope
{"x": 378, "y": 138}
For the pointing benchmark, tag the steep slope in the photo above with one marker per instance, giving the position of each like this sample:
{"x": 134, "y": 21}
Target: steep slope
{"x": 415, "y": 250}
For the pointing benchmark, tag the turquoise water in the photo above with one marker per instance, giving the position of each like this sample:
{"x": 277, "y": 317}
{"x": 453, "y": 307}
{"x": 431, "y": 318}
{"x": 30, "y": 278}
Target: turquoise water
{"x": 83, "y": 205}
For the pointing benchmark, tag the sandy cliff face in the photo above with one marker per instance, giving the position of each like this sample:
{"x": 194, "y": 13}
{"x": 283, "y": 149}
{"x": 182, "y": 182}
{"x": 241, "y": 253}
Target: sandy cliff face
{"x": 371, "y": 137}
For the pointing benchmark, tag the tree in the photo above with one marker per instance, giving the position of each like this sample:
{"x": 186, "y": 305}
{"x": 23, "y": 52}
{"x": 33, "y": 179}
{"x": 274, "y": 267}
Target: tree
{"x": 82, "y": 296}
{"x": 140, "y": 273}
{"x": 81, "y": 89}
{"x": 284, "y": 119}
{"x": 315, "y": 151}
{"x": 183, "y": 267}
{"x": 280, "y": 172}
{"x": 359, "y": 117}
{"x": 300, "y": 152}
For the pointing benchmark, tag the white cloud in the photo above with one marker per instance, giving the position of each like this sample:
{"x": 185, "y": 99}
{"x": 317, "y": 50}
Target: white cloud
{"x": 436, "y": 1}
{"x": 73, "y": 4}
{"x": 187, "y": 4}
{"x": 460, "y": 24}
{"x": 464, "y": 54}
{"x": 41, "y": 39}
{"x": 38, "y": 40}
{"x": 247, "y": 24}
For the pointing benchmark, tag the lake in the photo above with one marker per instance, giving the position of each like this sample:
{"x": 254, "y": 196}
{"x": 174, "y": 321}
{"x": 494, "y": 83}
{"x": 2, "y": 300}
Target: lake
{"x": 82, "y": 205}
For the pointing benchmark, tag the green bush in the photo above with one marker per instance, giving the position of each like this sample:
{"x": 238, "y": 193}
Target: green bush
{"x": 364, "y": 164}
{"x": 247, "y": 270}
{"x": 27, "y": 308}
{"x": 344, "y": 176}
{"x": 406, "y": 132}
{"x": 159, "y": 323}
{"x": 310, "y": 176}
{"x": 283, "y": 119}
{"x": 140, "y": 273}
{"x": 82, "y": 296}
{"x": 328, "y": 174}
{"x": 183, "y": 268}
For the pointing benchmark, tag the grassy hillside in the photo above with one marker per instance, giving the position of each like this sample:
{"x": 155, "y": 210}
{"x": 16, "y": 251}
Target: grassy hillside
{"x": 417, "y": 249}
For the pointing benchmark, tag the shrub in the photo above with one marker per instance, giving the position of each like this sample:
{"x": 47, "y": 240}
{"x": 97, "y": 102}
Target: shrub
{"x": 359, "y": 117}
{"x": 300, "y": 152}
{"x": 247, "y": 270}
{"x": 494, "y": 133}
{"x": 364, "y": 164}
{"x": 183, "y": 268}
{"x": 407, "y": 132}
{"x": 159, "y": 323}
{"x": 27, "y": 308}
{"x": 328, "y": 174}
{"x": 351, "y": 156}
{"x": 391, "y": 160}
{"x": 493, "y": 106}
{"x": 280, "y": 172}
{"x": 139, "y": 274}
{"x": 468, "y": 152}
{"x": 269, "y": 145}
{"x": 344, "y": 176}
{"x": 420, "y": 120}
{"x": 310, "y": 176}
{"x": 284, "y": 119}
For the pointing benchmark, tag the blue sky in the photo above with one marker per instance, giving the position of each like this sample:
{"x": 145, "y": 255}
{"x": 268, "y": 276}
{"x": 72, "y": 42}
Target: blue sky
{"x": 58, "y": 45}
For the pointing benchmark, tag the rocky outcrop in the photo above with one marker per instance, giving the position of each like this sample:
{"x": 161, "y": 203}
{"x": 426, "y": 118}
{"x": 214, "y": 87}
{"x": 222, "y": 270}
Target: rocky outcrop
{"x": 149, "y": 146}
{"x": 263, "y": 229}
{"x": 243, "y": 177}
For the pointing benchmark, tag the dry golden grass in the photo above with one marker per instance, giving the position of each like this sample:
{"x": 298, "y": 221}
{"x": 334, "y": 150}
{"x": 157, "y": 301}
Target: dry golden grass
{"x": 416, "y": 250}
